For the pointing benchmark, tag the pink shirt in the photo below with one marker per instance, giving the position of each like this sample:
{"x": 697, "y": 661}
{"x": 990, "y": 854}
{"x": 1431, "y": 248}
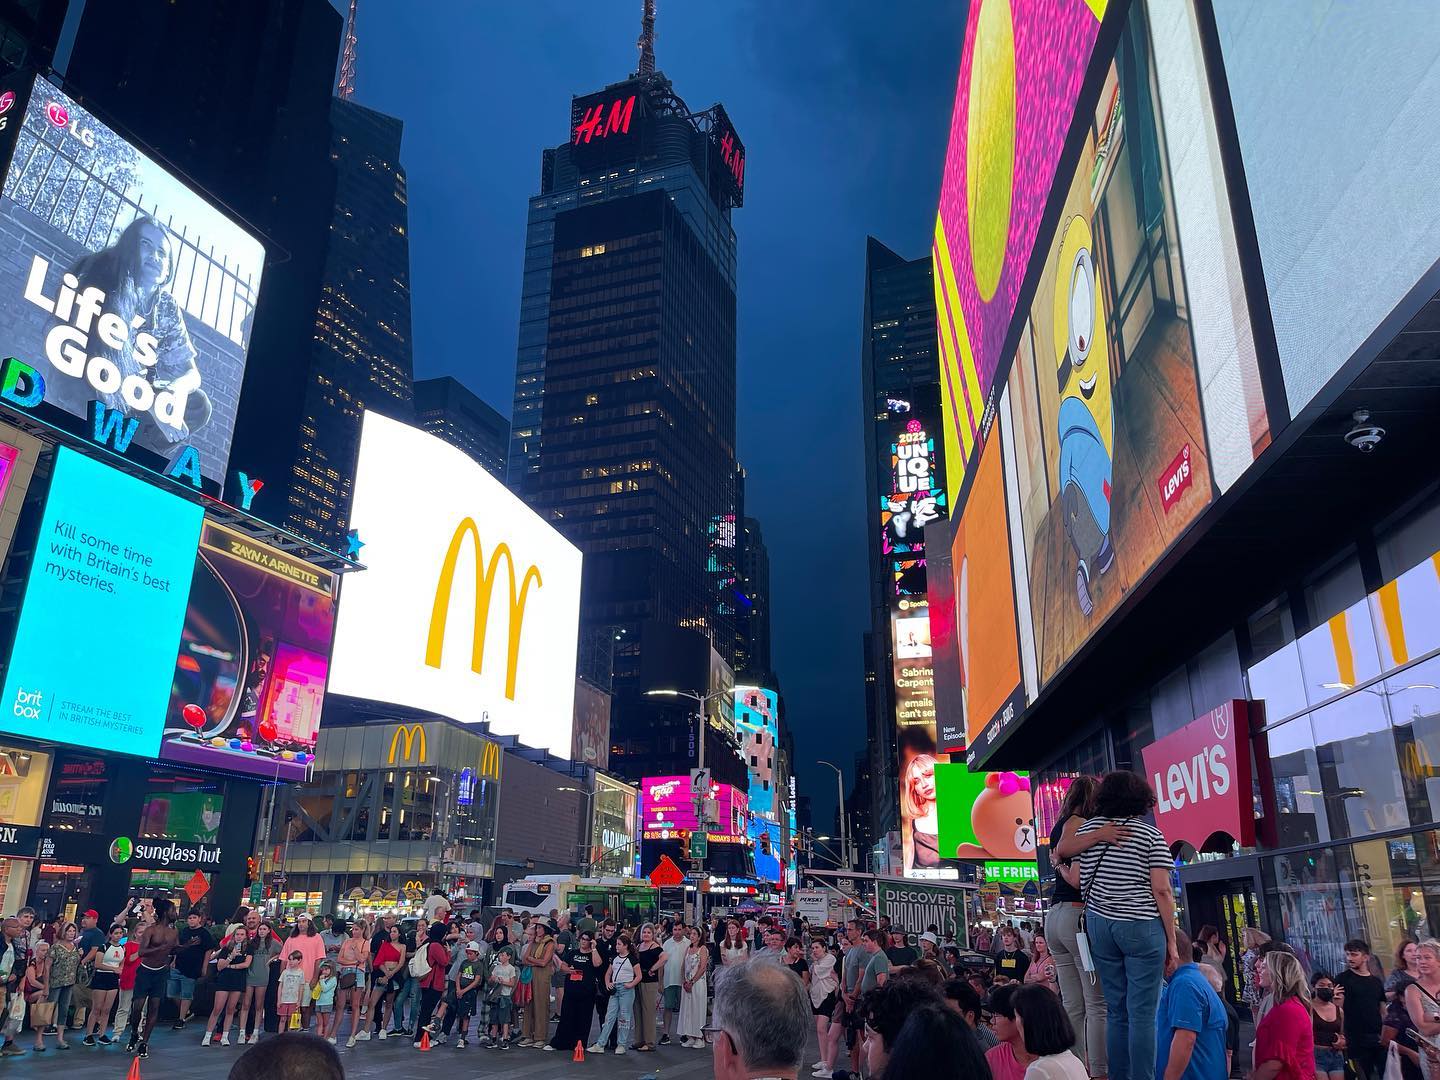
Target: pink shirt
{"x": 311, "y": 948}
{"x": 1003, "y": 1065}
{"x": 1287, "y": 1035}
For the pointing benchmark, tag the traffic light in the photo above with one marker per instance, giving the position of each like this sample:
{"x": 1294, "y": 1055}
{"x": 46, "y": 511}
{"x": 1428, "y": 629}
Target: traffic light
{"x": 252, "y": 868}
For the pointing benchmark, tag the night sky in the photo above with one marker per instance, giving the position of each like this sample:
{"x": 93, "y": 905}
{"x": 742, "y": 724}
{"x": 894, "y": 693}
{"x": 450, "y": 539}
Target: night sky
{"x": 843, "y": 106}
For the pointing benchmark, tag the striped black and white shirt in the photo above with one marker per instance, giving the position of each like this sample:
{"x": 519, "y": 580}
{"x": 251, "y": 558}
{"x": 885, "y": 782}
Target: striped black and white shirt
{"x": 1115, "y": 878}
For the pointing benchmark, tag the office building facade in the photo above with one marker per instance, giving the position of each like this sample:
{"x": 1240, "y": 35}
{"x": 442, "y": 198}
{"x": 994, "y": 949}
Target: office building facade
{"x": 448, "y": 408}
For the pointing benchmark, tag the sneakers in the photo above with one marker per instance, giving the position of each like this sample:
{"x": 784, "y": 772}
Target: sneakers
{"x": 331, "y": 1040}
{"x": 824, "y": 1074}
{"x": 460, "y": 1043}
{"x": 348, "y": 1042}
{"x": 619, "y": 1049}
{"x": 144, "y": 1050}
{"x": 523, "y": 1042}
{"x": 664, "y": 1040}
{"x": 50, "y": 1029}
{"x": 11, "y": 1050}
{"x": 685, "y": 1041}
{"x": 106, "y": 1040}
{"x": 546, "y": 1046}
{"x": 88, "y": 1040}
{"x": 130, "y": 1045}
{"x": 383, "y": 1035}
{"x": 225, "y": 1039}
{"x": 504, "y": 1044}
{"x": 364, "y": 1036}
{"x": 178, "y": 1025}
{"x": 203, "y": 1042}
{"x": 595, "y": 1049}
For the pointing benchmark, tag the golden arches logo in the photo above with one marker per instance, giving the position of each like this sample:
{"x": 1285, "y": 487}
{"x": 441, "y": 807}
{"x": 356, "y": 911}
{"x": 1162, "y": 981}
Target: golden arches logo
{"x": 412, "y": 733}
{"x": 1416, "y": 764}
{"x": 484, "y": 585}
{"x": 490, "y": 761}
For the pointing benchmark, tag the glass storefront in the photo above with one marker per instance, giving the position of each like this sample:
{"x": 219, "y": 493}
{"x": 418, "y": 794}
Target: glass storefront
{"x": 612, "y": 839}
{"x": 24, "y": 776}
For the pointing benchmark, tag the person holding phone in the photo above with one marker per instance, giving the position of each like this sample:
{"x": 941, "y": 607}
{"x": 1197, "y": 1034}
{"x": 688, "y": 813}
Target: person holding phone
{"x": 581, "y": 966}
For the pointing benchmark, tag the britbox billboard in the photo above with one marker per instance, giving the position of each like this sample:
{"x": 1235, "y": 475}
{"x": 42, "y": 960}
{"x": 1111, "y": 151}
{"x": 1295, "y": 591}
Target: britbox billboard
{"x": 122, "y": 285}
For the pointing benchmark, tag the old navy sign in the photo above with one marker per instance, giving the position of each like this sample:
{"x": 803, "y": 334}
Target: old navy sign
{"x": 1202, "y": 778}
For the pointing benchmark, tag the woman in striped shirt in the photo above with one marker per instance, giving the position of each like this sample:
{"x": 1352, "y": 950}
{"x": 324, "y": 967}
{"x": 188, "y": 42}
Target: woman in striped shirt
{"x": 1130, "y": 920}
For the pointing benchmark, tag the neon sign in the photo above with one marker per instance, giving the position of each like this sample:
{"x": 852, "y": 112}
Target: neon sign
{"x": 604, "y": 118}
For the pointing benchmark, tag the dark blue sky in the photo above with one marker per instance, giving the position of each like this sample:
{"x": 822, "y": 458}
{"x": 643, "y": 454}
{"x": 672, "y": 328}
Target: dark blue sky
{"x": 843, "y": 106}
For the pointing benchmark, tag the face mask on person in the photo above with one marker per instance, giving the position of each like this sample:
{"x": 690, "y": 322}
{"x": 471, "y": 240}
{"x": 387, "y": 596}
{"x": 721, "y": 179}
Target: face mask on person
{"x": 1325, "y": 993}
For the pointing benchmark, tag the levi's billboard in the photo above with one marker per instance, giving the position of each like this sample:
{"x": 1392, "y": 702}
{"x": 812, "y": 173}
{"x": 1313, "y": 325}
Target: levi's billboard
{"x": 1202, "y": 778}
{"x": 469, "y": 605}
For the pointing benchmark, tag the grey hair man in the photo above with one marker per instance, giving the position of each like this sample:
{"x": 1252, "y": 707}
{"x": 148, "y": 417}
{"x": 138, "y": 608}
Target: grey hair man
{"x": 761, "y": 1023}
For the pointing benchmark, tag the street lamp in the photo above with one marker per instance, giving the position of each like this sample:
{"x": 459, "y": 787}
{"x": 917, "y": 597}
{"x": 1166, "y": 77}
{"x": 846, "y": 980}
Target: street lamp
{"x": 844, "y": 821}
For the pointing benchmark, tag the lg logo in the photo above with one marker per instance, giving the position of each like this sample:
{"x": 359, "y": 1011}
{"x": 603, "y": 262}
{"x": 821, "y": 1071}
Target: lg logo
{"x": 59, "y": 115}
{"x": 28, "y": 703}
{"x": 7, "y": 99}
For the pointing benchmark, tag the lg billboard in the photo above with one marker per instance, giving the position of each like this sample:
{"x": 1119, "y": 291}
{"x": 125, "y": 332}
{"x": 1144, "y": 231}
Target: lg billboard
{"x": 469, "y": 605}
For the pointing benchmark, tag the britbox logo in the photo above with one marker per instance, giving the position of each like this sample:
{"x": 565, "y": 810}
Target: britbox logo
{"x": 28, "y": 703}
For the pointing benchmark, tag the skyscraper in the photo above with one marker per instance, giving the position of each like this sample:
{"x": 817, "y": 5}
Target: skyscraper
{"x": 900, "y": 377}
{"x": 361, "y": 350}
{"x": 752, "y": 656}
{"x": 623, "y": 429}
{"x": 448, "y": 408}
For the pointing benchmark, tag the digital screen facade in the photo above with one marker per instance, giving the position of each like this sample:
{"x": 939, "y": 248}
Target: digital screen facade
{"x": 757, "y": 714}
{"x": 667, "y": 805}
{"x": 1133, "y": 398}
{"x": 984, "y": 816}
{"x": 469, "y": 605}
{"x": 1021, "y": 69}
{"x": 771, "y": 860}
{"x": 126, "y": 287}
{"x": 249, "y": 683}
{"x": 113, "y": 563}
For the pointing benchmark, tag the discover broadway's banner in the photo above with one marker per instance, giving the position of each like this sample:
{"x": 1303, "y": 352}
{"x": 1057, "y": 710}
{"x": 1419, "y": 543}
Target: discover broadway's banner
{"x": 122, "y": 286}
{"x": 913, "y": 906}
{"x": 250, "y": 678}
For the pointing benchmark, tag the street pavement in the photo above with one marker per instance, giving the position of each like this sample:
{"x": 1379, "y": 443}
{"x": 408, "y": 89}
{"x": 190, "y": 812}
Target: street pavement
{"x": 178, "y": 1055}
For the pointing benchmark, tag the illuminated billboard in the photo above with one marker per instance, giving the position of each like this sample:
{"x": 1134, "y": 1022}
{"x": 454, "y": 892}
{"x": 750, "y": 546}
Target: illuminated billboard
{"x": 1021, "y": 69}
{"x": 249, "y": 684}
{"x": 666, "y": 804}
{"x": 110, "y": 577}
{"x": 764, "y": 836}
{"x": 913, "y": 675}
{"x": 126, "y": 287}
{"x": 469, "y": 605}
{"x": 984, "y": 816}
{"x": 757, "y": 715}
{"x": 608, "y": 126}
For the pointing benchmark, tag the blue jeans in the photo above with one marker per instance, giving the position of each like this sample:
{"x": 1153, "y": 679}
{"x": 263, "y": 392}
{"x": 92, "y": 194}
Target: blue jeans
{"x": 621, "y": 1008}
{"x": 1129, "y": 957}
{"x": 409, "y": 995}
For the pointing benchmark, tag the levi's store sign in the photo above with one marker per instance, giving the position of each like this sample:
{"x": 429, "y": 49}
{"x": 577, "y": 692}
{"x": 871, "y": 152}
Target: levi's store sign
{"x": 1202, "y": 778}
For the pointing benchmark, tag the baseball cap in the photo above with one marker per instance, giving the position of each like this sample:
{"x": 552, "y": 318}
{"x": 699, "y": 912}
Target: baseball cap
{"x": 472, "y": 946}
{"x": 91, "y": 913}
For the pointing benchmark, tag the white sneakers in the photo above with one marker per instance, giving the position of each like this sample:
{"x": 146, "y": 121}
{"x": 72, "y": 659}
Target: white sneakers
{"x": 206, "y": 1040}
{"x": 596, "y": 1049}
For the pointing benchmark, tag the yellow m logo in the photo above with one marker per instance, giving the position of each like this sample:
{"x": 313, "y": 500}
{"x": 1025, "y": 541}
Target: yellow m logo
{"x": 490, "y": 761}
{"x": 411, "y": 733}
{"x": 484, "y": 585}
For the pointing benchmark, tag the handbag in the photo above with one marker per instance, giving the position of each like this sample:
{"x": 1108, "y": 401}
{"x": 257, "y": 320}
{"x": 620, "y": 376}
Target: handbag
{"x": 346, "y": 981}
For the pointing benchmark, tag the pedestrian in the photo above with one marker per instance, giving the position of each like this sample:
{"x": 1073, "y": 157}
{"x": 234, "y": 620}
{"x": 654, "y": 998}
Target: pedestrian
{"x": 388, "y": 968}
{"x": 961, "y": 997}
{"x": 900, "y": 952}
{"x": 1012, "y": 962}
{"x": 265, "y": 949}
{"x": 587, "y": 922}
{"x": 468, "y": 979}
{"x": 504, "y": 977}
{"x": 733, "y": 949}
{"x": 581, "y": 966}
{"x": 193, "y": 946}
{"x": 1041, "y": 971}
{"x": 436, "y": 907}
{"x": 761, "y": 1022}
{"x": 1422, "y": 1003}
{"x": 129, "y": 968}
{"x": 1251, "y": 940}
{"x": 64, "y": 965}
{"x": 232, "y": 962}
{"x": 676, "y": 946}
{"x": 935, "y": 1044}
{"x": 845, "y": 1022}
{"x": 1191, "y": 1026}
{"x": 885, "y": 1010}
{"x": 1284, "y": 1039}
{"x": 1328, "y": 1028}
{"x": 432, "y": 983}
{"x": 307, "y": 939}
{"x": 877, "y": 964}
{"x": 1399, "y": 1030}
{"x": 105, "y": 987}
{"x": 824, "y": 989}
{"x": 651, "y": 960}
{"x": 1362, "y": 995}
{"x": 354, "y": 959}
{"x": 1232, "y": 1018}
{"x": 1009, "y": 1058}
{"x": 158, "y": 942}
{"x": 293, "y": 990}
{"x": 536, "y": 961}
{"x": 322, "y": 996}
{"x": 605, "y": 946}
{"x": 1406, "y": 954}
{"x": 1129, "y": 919}
{"x": 694, "y": 989}
{"x": 564, "y": 940}
{"x": 622, "y": 976}
{"x": 1048, "y": 1036}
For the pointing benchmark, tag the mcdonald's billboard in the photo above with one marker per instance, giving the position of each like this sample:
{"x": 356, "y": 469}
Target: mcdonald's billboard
{"x": 469, "y": 605}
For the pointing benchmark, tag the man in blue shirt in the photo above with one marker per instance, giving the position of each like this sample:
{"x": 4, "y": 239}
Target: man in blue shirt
{"x": 1190, "y": 1024}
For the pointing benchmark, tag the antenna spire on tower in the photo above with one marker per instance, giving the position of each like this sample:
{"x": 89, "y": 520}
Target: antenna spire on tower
{"x": 646, "y": 43}
{"x": 347, "y": 60}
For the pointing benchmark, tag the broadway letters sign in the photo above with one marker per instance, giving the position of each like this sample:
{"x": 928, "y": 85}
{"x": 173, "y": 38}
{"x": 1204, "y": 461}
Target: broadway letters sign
{"x": 1202, "y": 780}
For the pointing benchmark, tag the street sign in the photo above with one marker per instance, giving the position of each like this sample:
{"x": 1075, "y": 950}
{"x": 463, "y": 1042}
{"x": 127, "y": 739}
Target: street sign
{"x": 699, "y": 781}
{"x": 666, "y": 875}
{"x": 196, "y": 887}
{"x": 699, "y": 844}
{"x": 257, "y": 892}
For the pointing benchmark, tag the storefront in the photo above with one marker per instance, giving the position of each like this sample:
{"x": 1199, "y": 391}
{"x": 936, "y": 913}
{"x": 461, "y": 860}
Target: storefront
{"x": 613, "y": 818}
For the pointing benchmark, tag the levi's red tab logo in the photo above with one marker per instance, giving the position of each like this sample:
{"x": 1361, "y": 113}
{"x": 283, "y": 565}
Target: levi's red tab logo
{"x": 1176, "y": 479}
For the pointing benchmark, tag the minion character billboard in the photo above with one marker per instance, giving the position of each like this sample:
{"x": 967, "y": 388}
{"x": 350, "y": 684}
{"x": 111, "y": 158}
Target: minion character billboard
{"x": 1086, "y": 418}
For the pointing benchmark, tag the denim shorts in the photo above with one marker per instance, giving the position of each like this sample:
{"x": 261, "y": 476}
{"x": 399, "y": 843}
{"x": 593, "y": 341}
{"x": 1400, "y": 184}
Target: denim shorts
{"x": 1328, "y": 1060}
{"x": 178, "y": 986}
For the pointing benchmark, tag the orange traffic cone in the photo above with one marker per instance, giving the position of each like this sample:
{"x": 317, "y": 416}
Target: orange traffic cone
{"x": 424, "y": 1039}
{"x": 579, "y": 1051}
{"x": 134, "y": 1073}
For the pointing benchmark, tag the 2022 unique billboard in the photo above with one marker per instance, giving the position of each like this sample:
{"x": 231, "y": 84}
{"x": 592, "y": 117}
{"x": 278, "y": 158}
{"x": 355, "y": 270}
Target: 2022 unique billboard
{"x": 124, "y": 285}
{"x": 95, "y": 643}
{"x": 469, "y": 605}
{"x": 249, "y": 683}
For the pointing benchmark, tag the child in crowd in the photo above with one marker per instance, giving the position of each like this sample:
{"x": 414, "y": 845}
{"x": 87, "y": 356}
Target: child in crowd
{"x": 503, "y": 976}
{"x": 292, "y": 987}
{"x": 323, "y": 995}
{"x": 467, "y": 989}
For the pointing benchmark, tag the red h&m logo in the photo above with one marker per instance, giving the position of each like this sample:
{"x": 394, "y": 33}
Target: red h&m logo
{"x": 58, "y": 114}
{"x": 1176, "y": 479}
{"x": 601, "y": 120}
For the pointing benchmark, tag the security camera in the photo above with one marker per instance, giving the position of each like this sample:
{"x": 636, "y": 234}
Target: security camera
{"x": 1364, "y": 436}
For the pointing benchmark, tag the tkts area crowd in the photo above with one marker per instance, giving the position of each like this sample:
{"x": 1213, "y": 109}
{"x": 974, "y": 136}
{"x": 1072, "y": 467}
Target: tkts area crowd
{"x": 1109, "y": 988}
